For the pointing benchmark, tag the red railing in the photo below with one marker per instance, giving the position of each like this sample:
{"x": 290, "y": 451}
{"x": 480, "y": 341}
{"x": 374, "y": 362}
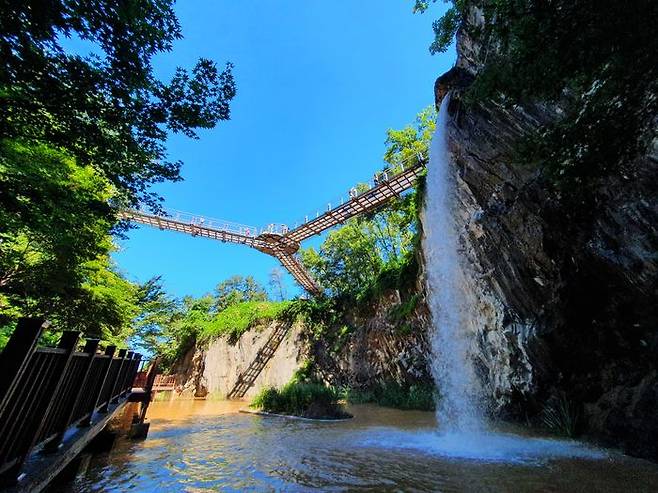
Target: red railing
{"x": 161, "y": 382}
{"x": 164, "y": 382}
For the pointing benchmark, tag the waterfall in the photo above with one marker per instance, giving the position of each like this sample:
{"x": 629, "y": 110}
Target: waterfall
{"x": 458, "y": 407}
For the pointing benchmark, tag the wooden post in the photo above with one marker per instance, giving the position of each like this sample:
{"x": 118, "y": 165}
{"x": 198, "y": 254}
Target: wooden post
{"x": 17, "y": 354}
{"x": 150, "y": 380}
{"x": 90, "y": 348}
{"x": 109, "y": 351}
{"x": 128, "y": 371}
{"x": 136, "y": 364}
{"x": 139, "y": 430}
{"x": 117, "y": 380}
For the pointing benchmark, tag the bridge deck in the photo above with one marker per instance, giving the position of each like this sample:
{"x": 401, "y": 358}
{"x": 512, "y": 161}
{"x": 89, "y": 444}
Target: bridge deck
{"x": 282, "y": 244}
{"x": 365, "y": 202}
{"x": 200, "y": 229}
{"x": 301, "y": 275}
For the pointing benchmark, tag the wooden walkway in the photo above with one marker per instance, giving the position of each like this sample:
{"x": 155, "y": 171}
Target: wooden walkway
{"x": 280, "y": 242}
{"x": 54, "y": 400}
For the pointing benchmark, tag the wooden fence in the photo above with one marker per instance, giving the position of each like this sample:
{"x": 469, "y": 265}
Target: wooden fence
{"x": 45, "y": 391}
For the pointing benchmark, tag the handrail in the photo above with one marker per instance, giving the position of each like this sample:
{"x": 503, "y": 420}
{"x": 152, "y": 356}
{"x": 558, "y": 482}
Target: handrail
{"x": 46, "y": 391}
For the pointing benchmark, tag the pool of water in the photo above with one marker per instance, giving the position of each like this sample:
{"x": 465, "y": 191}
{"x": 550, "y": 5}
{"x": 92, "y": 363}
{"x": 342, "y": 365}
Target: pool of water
{"x": 196, "y": 446}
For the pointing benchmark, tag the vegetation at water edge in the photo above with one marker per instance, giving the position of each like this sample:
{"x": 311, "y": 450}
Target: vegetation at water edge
{"x": 305, "y": 399}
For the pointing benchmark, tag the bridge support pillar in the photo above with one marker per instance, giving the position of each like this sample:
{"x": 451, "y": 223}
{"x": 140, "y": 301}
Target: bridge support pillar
{"x": 139, "y": 431}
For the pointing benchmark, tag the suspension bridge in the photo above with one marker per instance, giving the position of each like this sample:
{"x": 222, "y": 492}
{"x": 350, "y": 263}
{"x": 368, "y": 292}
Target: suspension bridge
{"x": 282, "y": 242}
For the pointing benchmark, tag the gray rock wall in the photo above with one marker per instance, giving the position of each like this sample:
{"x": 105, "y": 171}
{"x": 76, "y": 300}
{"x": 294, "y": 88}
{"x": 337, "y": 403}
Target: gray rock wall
{"x": 565, "y": 294}
{"x": 212, "y": 372}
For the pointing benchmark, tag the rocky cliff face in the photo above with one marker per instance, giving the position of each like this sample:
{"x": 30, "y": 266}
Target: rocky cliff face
{"x": 214, "y": 371}
{"x": 382, "y": 349}
{"x": 566, "y": 298}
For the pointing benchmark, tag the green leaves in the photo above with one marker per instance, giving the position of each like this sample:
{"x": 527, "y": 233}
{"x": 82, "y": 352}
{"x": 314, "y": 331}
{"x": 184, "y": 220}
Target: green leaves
{"x": 354, "y": 258}
{"x": 237, "y": 319}
{"x": 54, "y": 219}
{"x": 347, "y": 260}
{"x": 55, "y": 224}
{"x": 595, "y": 60}
{"x": 106, "y": 110}
{"x": 444, "y": 27}
{"x": 82, "y": 136}
{"x": 406, "y": 145}
{"x": 444, "y": 30}
{"x": 237, "y": 289}
{"x": 171, "y": 327}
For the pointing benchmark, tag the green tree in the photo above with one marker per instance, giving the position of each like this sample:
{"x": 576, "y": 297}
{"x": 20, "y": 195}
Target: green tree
{"x": 81, "y": 137}
{"x": 181, "y": 330}
{"x": 107, "y": 109}
{"x": 405, "y": 145}
{"x": 352, "y": 258}
{"x": 157, "y": 309}
{"x": 347, "y": 261}
{"x": 52, "y": 224}
{"x": 238, "y": 289}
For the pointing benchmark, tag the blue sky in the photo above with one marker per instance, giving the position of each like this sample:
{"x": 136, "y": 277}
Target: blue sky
{"x": 318, "y": 84}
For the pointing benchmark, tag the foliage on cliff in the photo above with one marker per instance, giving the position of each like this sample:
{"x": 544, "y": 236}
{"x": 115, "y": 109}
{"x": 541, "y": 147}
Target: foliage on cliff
{"x": 173, "y": 326}
{"x": 82, "y": 136}
{"x": 595, "y": 59}
{"x": 236, "y": 319}
{"x": 365, "y": 260}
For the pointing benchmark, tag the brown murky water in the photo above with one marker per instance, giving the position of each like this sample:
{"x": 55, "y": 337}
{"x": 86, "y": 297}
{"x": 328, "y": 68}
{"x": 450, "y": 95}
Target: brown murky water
{"x": 197, "y": 446}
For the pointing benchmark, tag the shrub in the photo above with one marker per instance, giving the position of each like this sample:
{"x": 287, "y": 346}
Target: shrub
{"x": 392, "y": 394}
{"x": 237, "y": 319}
{"x": 309, "y": 400}
{"x": 562, "y": 416}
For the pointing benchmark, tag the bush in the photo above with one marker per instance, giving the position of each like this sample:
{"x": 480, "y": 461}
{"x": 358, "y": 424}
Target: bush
{"x": 392, "y": 394}
{"x": 562, "y": 416}
{"x": 309, "y": 400}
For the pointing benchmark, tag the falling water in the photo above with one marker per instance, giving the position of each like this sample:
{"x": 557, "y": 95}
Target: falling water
{"x": 452, "y": 368}
{"x": 462, "y": 430}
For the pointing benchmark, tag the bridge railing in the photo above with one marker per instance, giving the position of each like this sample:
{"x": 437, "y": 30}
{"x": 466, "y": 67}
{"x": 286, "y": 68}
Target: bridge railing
{"x": 164, "y": 382}
{"x": 207, "y": 222}
{"x": 46, "y": 391}
{"x": 383, "y": 175}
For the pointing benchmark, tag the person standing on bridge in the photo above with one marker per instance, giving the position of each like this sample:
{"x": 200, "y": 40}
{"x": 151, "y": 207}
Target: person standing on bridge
{"x": 353, "y": 193}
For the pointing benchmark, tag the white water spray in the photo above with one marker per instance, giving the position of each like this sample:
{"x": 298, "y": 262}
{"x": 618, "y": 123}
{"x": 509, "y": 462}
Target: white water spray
{"x": 462, "y": 430}
{"x": 458, "y": 408}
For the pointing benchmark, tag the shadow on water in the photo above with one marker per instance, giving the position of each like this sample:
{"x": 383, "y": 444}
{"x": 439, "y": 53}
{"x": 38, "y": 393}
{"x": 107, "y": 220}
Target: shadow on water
{"x": 208, "y": 446}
